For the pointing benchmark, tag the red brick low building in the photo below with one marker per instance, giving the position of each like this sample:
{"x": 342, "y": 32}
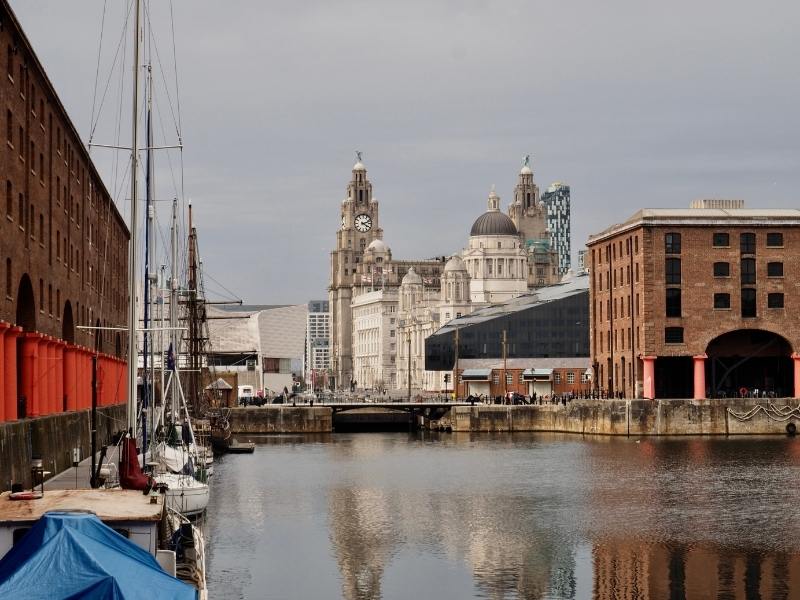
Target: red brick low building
{"x": 698, "y": 302}
{"x": 526, "y": 376}
{"x": 63, "y": 244}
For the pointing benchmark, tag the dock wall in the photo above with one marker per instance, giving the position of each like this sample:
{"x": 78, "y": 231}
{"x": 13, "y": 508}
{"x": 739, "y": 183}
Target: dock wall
{"x": 52, "y": 438}
{"x": 281, "y": 419}
{"x": 633, "y": 417}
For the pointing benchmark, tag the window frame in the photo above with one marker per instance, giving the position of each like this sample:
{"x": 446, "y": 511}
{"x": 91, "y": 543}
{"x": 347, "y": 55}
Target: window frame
{"x": 727, "y": 269}
{"x": 774, "y": 264}
{"x": 747, "y": 277}
{"x": 669, "y": 307}
{"x": 774, "y": 296}
{"x": 745, "y": 305}
{"x": 745, "y": 246}
{"x": 714, "y": 241}
{"x": 674, "y": 331}
{"x": 672, "y": 242}
{"x": 771, "y": 234}
{"x": 719, "y": 296}
{"x": 670, "y": 276}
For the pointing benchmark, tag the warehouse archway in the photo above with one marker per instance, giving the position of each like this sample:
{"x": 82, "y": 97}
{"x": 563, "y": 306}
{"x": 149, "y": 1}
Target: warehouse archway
{"x": 26, "y": 304}
{"x": 67, "y": 324}
{"x": 745, "y": 360}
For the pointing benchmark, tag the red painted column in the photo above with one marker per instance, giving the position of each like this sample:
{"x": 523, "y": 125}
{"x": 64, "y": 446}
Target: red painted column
{"x": 83, "y": 378}
{"x": 51, "y": 376}
{"x": 796, "y": 361}
{"x": 43, "y": 364}
{"x": 80, "y": 401}
{"x": 30, "y": 373}
{"x": 700, "y": 376}
{"x": 649, "y": 382}
{"x": 3, "y": 328}
{"x": 102, "y": 372}
{"x": 70, "y": 379}
{"x": 58, "y": 368}
{"x": 122, "y": 383}
{"x": 10, "y": 367}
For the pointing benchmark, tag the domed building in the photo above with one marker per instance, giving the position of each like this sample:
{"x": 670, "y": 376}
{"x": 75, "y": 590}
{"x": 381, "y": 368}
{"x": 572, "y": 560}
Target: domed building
{"x": 495, "y": 258}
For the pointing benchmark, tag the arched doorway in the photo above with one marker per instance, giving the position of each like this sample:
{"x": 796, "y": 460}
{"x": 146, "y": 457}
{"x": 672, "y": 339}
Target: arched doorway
{"x": 67, "y": 324}
{"x": 749, "y": 359}
{"x": 98, "y": 337}
{"x": 26, "y": 304}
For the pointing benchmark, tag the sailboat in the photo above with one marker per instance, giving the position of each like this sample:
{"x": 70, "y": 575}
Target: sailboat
{"x": 148, "y": 520}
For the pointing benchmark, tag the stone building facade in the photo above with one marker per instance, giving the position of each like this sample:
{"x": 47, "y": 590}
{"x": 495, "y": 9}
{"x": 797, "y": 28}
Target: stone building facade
{"x": 375, "y": 339}
{"x": 697, "y": 303}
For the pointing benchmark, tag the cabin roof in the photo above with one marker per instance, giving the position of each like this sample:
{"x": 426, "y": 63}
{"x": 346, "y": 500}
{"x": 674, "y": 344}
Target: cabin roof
{"x": 108, "y": 504}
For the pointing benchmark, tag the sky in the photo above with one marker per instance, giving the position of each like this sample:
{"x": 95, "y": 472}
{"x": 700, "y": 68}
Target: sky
{"x": 632, "y": 103}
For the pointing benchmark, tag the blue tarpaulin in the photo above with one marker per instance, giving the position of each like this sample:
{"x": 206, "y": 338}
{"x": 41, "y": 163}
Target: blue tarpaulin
{"x": 75, "y": 555}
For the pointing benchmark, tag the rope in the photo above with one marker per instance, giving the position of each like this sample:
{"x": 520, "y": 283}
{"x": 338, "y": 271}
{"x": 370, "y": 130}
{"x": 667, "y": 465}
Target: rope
{"x": 780, "y": 414}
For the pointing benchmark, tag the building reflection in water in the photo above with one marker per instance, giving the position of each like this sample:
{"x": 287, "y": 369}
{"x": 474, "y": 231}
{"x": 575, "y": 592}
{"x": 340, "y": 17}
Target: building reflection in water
{"x": 639, "y": 571}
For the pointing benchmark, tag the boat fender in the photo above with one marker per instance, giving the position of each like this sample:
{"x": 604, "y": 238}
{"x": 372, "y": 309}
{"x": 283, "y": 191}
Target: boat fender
{"x": 791, "y": 429}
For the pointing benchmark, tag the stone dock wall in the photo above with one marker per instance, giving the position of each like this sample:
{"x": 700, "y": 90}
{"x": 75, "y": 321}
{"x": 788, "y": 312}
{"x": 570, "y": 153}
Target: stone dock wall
{"x": 281, "y": 419}
{"x": 52, "y": 438}
{"x": 633, "y": 417}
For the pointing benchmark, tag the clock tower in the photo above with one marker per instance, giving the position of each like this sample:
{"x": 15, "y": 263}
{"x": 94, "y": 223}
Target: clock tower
{"x": 359, "y": 225}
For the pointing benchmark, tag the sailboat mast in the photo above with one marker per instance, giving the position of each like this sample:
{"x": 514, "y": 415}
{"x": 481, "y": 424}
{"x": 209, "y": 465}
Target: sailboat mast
{"x": 148, "y": 371}
{"x": 173, "y": 307}
{"x": 132, "y": 254}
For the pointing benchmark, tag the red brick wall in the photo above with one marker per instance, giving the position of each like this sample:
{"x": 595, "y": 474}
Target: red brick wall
{"x": 69, "y": 238}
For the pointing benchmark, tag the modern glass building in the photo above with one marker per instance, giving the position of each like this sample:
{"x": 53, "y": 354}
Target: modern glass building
{"x": 557, "y": 201}
{"x": 551, "y": 322}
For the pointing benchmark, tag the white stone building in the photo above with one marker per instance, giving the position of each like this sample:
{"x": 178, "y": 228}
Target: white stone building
{"x": 495, "y": 257}
{"x": 375, "y": 339}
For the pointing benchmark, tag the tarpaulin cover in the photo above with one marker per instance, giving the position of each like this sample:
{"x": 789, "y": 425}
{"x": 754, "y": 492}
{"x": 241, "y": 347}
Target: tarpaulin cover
{"x": 75, "y": 555}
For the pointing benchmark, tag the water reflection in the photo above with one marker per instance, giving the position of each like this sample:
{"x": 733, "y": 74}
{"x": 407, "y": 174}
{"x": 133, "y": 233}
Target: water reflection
{"x": 523, "y": 516}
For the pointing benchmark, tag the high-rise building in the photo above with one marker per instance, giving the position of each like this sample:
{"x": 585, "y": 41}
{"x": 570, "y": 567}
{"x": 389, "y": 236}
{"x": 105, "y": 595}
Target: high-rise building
{"x": 557, "y": 201}
{"x": 582, "y": 264}
{"x": 318, "y": 343}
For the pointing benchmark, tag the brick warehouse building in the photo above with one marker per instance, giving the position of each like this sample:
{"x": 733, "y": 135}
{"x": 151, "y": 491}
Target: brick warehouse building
{"x": 696, "y": 303}
{"x": 63, "y": 248}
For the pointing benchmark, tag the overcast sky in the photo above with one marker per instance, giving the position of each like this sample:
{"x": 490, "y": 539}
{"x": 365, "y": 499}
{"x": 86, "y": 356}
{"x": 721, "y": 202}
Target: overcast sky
{"x": 632, "y": 103}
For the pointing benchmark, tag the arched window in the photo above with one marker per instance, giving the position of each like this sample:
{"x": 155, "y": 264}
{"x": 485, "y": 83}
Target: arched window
{"x": 8, "y": 277}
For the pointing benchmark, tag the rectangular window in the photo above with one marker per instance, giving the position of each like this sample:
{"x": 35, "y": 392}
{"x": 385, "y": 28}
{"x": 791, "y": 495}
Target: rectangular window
{"x": 9, "y": 200}
{"x": 775, "y": 300}
{"x": 747, "y": 243}
{"x": 722, "y": 269}
{"x": 672, "y": 243}
{"x": 557, "y": 378}
{"x": 775, "y": 269}
{"x": 774, "y": 240}
{"x": 748, "y": 271}
{"x": 672, "y": 270}
{"x": 495, "y": 379}
{"x": 509, "y": 378}
{"x": 748, "y": 302}
{"x": 673, "y": 302}
{"x": 673, "y": 335}
{"x": 9, "y": 127}
{"x": 722, "y": 300}
{"x": 721, "y": 240}
{"x": 570, "y": 377}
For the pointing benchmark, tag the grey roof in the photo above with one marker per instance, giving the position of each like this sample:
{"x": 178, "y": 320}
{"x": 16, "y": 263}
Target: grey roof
{"x": 493, "y": 222}
{"x": 748, "y": 217}
{"x": 569, "y": 286}
{"x": 219, "y": 384}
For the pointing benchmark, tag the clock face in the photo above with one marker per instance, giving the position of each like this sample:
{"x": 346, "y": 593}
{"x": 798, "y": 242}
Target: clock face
{"x": 363, "y": 223}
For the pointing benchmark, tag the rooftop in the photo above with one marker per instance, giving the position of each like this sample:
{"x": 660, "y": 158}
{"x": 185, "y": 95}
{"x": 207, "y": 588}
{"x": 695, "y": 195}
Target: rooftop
{"x": 577, "y": 284}
{"x": 750, "y": 217}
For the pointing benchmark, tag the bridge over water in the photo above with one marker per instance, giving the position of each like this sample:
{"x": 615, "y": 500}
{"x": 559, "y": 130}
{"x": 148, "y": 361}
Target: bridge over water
{"x": 386, "y": 414}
